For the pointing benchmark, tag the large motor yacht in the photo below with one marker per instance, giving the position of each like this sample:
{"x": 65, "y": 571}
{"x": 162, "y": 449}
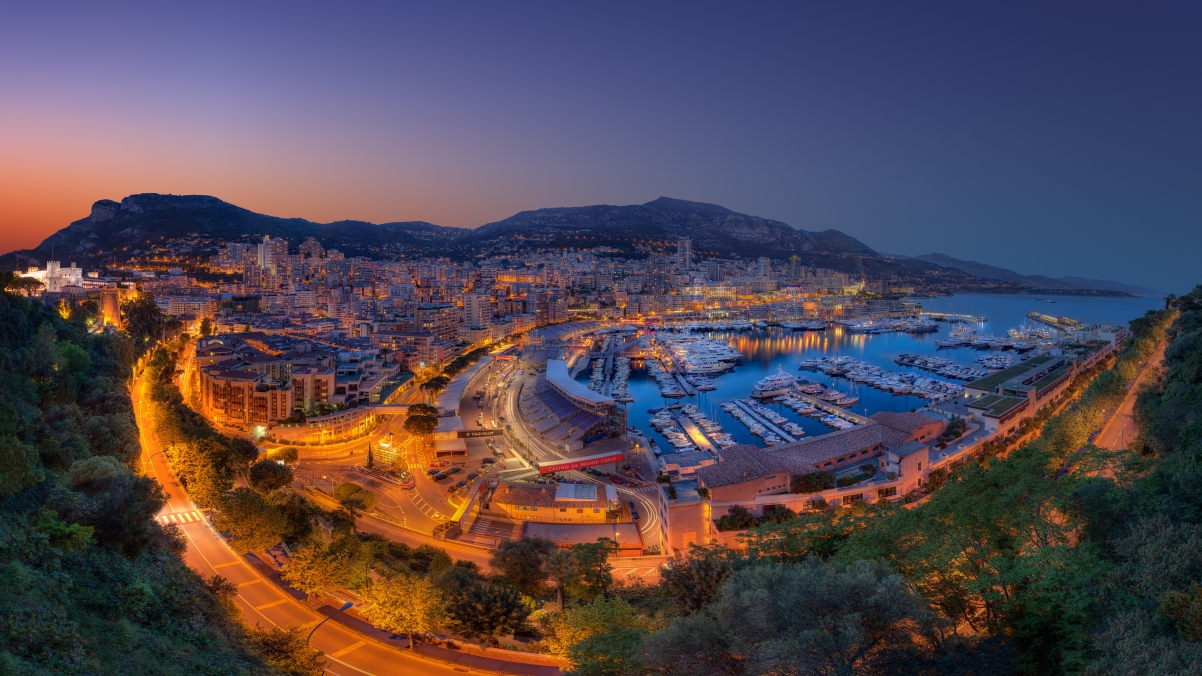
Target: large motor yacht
{"x": 775, "y": 385}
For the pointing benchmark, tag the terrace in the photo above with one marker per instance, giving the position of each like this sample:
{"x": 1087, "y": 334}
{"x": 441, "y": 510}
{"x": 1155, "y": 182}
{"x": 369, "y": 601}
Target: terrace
{"x": 991, "y": 383}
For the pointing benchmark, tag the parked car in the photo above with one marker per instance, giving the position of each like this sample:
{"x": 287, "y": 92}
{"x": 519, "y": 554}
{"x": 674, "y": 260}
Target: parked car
{"x": 458, "y": 485}
{"x": 440, "y": 476}
{"x": 432, "y": 471}
{"x": 488, "y": 461}
{"x": 634, "y": 515}
{"x": 472, "y": 475}
{"x": 453, "y": 470}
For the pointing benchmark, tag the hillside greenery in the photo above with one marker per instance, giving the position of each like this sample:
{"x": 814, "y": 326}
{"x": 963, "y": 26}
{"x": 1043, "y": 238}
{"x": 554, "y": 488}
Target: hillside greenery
{"x": 89, "y": 582}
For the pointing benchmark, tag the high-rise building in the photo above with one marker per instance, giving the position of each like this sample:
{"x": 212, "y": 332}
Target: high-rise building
{"x": 271, "y": 251}
{"x": 439, "y": 319}
{"x": 684, "y": 252}
{"x": 795, "y": 269}
{"x": 477, "y": 310}
{"x": 763, "y": 266}
{"x": 713, "y": 271}
{"x": 311, "y": 248}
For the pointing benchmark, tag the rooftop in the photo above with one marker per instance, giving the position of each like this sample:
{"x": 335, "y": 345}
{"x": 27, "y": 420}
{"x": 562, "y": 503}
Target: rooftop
{"x": 557, "y": 374}
{"x": 745, "y": 463}
{"x": 990, "y": 383}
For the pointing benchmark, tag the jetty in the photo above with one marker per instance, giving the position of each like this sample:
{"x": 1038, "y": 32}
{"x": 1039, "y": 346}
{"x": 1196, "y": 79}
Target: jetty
{"x": 785, "y": 436}
{"x": 693, "y": 431}
{"x": 836, "y": 411}
{"x": 684, "y": 385}
{"x": 1062, "y": 323}
{"x": 953, "y": 317}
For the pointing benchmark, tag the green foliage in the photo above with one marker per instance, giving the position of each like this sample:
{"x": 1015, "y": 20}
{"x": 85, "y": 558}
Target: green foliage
{"x": 520, "y": 563}
{"x": 404, "y": 605}
{"x": 1184, "y": 611}
{"x": 693, "y": 581}
{"x": 355, "y": 498}
{"x": 256, "y": 524}
{"x": 285, "y": 651}
{"x": 420, "y": 425}
{"x": 579, "y": 623}
{"x": 809, "y": 618}
{"x": 486, "y": 611}
{"x": 89, "y": 582}
{"x": 314, "y": 567}
{"x": 266, "y": 476}
{"x": 737, "y": 517}
{"x": 814, "y": 482}
{"x": 284, "y": 454}
{"x": 593, "y": 576}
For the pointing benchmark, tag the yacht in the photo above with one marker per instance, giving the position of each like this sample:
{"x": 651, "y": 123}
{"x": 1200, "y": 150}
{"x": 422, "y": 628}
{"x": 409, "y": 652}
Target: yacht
{"x": 777, "y": 384}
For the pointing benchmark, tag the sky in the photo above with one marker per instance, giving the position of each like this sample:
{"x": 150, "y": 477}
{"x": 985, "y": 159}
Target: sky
{"x": 1050, "y": 138}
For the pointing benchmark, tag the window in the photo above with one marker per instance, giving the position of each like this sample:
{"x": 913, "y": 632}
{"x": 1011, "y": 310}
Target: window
{"x": 886, "y": 492}
{"x": 563, "y": 509}
{"x": 920, "y": 467}
{"x": 580, "y": 511}
{"x": 853, "y": 499}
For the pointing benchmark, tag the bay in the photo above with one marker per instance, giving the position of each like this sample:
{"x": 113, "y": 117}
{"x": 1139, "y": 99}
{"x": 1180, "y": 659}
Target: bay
{"x": 767, "y": 350}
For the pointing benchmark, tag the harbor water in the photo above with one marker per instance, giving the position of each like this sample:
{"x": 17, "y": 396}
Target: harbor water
{"x": 768, "y": 349}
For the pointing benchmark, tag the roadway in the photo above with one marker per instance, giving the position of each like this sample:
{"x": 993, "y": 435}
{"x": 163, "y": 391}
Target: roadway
{"x": 1119, "y": 429}
{"x": 263, "y": 603}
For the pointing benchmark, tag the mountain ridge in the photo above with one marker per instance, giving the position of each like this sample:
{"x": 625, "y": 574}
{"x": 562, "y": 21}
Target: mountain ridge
{"x": 136, "y": 221}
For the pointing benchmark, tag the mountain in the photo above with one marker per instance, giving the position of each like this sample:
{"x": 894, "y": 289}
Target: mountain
{"x": 141, "y": 219}
{"x": 712, "y": 228}
{"x": 1111, "y": 285}
{"x": 1038, "y": 282}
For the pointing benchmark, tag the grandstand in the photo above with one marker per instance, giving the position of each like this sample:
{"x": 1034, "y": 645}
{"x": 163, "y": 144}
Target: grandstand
{"x": 557, "y": 419}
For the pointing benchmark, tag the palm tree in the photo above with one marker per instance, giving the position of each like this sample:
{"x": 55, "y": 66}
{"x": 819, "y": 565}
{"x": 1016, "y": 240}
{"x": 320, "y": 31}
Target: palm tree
{"x": 560, "y": 566}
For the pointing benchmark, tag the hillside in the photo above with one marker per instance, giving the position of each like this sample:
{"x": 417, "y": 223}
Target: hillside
{"x": 139, "y": 219}
{"x": 116, "y": 229}
{"x": 715, "y": 230}
{"x": 1037, "y": 282}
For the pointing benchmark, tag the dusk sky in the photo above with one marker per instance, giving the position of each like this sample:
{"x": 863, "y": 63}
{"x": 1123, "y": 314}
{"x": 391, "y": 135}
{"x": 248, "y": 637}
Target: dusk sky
{"x": 1051, "y": 138}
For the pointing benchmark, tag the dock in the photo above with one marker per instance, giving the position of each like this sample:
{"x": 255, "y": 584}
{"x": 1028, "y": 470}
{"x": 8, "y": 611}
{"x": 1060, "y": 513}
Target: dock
{"x": 684, "y": 385}
{"x": 1062, "y": 323}
{"x": 837, "y": 411}
{"x": 785, "y": 436}
{"x": 693, "y": 431}
{"x": 953, "y": 317}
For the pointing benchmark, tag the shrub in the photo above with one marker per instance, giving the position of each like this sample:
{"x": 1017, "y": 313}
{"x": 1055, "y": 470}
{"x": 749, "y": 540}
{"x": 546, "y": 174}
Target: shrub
{"x": 737, "y": 517}
{"x": 812, "y": 482}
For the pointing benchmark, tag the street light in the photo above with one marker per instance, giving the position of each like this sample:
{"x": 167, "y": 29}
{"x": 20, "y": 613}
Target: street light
{"x": 345, "y": 606}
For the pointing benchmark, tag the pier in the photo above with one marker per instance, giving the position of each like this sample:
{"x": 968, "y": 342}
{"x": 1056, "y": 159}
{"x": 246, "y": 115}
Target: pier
{"x": 695, "y": 434}
{"x": 684, "y": 385}
{"x": 832, "y": 409}
{"x": 953, "y": 317}
{"x": 1062, "y": 323}
{"x": 785, "y": 436}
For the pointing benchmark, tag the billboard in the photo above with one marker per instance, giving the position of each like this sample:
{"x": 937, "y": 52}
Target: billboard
{"x": 579, "y": 463}
{"x": 472, "y": 434}
{"x": 505, "y": 357}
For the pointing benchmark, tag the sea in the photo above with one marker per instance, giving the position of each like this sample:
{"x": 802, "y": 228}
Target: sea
{"x": 767, "y": 350}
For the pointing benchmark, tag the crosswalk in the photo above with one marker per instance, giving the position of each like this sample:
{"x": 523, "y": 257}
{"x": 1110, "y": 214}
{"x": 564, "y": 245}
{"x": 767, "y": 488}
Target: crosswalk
{"x": 180, "y": 517}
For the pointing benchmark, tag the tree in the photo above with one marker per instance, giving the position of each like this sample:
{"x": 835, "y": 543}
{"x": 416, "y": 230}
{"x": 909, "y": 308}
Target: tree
{"x": 266, "y": 476}
{"x": 486, "y": 611}
{"x": 613, "y": 652}
{"x": 142, "y": 319}
{"x": 560, "y": 566}
{"x": 286, "y": 651}
{"x": 694, "y": 580}
{"x": 405, "y": 605}
{"x": 815, "y": 617}
{"x": 420, "y": 425}
{"x": 355, "y": 498}
{"x": 520, "y": 563}
{"x": 284, "y": 454}
{"x": 19, "y": 466}
{"x": 423, "y": 409}
{"x": 581, "y": 622}
{"x": 206, "y": 327}
{"x": 313, "y": 568}
{"x": 737, "y": 517}
{"x": 370, "y": 460}
{"x": 256, "y": 525}
{"x": 593, "y": 571}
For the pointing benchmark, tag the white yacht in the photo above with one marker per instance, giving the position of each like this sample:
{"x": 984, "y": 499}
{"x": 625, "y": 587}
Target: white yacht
{"x": 775, "y": 385}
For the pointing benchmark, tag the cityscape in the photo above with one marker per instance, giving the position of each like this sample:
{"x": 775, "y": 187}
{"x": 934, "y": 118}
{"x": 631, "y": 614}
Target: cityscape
{"x": 663, "y": 437}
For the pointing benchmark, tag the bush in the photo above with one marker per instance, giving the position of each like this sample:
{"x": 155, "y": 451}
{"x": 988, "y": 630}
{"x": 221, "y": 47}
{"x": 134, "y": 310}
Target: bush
{"x": 813, "y": 482}
{"x": 737, "y": 517}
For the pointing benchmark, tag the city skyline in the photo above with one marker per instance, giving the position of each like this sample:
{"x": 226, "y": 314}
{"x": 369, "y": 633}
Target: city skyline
{"x": 974, "y": 132}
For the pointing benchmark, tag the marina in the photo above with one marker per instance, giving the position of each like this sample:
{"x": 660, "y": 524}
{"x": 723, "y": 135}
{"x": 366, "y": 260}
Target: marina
{"x": 888, "y": 371}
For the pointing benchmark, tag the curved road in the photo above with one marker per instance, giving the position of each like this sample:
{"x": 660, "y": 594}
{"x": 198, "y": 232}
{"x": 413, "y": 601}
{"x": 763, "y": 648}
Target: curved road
{"x": 261, "y": 602}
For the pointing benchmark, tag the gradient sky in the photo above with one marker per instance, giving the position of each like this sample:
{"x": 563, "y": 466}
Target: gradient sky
{"x": 1051, "y": 138}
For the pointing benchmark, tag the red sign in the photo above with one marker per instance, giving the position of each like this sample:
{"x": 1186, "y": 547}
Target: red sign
{"x": 578, "y": 463}
{"x": 505, "y": 357}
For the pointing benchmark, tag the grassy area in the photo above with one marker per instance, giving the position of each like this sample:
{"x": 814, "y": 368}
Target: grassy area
{"x": 1052, "y": 377}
